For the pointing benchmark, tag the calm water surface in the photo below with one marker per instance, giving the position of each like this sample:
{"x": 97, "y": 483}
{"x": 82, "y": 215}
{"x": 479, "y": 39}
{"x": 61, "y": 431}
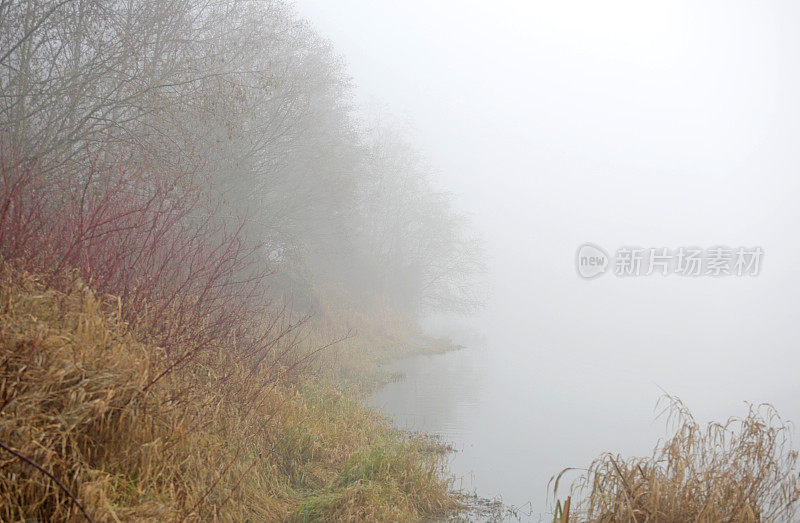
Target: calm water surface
{"x": 513, "y": 424}
{"x": 517, "y": 415}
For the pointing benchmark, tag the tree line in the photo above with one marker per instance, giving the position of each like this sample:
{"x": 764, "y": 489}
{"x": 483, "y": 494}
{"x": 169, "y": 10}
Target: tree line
{"x": 229, "y": 127}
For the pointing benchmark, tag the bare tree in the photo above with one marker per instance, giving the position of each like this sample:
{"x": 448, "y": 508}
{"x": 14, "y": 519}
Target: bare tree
{"x": 245, "y": 95}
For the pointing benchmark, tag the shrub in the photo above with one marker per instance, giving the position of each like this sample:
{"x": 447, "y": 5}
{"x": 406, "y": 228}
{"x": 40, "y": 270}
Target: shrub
{"x": 181, "y": 272}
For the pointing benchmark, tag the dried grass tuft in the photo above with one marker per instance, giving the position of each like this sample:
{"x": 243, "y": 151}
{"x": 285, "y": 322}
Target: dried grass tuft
{"x": 742, "y": 470}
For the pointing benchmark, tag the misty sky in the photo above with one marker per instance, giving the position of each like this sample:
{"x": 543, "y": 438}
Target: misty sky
{"x": 654, "y": 124}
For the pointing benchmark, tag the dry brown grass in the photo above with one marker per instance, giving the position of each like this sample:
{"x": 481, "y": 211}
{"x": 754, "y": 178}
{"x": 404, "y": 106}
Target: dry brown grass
{"x": 741, "y": 470}
{"x": 193, "y": 447}
{"x": 380, "y": 335}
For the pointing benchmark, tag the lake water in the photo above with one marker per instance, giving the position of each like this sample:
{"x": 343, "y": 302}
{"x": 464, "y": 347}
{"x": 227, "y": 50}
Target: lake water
{"x": 516, "y": 418}
{"x": 513, "y": 425}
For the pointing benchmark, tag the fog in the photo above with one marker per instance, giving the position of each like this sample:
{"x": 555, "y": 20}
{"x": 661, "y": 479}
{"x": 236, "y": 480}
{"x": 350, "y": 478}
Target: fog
{"x": 303, "y": 211}
{"x": 663, "y": 124}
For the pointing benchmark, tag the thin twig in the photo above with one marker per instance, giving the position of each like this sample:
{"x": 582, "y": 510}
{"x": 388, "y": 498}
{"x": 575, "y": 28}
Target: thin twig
{"x": 51, "y": 476}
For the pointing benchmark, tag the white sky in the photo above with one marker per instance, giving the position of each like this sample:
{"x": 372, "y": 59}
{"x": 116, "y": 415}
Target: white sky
{"x": 667, "y": 122}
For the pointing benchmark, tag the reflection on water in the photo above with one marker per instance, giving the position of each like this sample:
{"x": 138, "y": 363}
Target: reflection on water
{"x": 439, "y": 393}
{"x": 513, "y": 425}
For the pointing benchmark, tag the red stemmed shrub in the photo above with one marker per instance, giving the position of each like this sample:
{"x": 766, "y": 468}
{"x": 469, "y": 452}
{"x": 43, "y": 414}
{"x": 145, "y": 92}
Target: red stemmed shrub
{"x": 182, "y": 272}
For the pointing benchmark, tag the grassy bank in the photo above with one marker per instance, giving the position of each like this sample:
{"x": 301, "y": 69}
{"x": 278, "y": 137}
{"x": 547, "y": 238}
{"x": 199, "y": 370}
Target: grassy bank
{"x": 85, "y": 427}
{"x": 376, "y": 335}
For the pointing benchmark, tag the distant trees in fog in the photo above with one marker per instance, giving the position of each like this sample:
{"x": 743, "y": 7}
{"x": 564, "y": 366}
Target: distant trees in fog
{"x": 246, "y": 97}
